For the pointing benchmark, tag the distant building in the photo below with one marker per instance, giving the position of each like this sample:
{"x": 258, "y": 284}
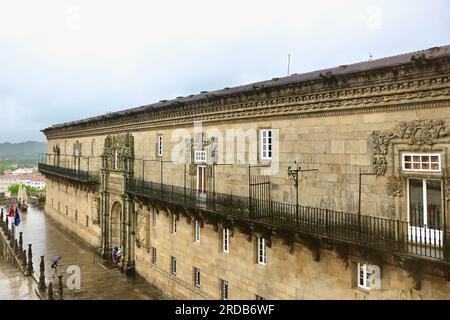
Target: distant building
{"x": 22, "y": 171}
{"x": 35, "y": 180}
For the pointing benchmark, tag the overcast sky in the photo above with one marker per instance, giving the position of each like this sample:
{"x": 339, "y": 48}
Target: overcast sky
{"x": 67, "y": 60}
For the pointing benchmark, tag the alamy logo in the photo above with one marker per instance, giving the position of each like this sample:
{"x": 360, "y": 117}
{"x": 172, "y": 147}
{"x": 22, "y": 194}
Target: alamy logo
{"x": 374, "y": 276}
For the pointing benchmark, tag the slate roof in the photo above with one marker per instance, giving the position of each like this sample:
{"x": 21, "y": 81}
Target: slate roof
{"x": 432, "y": 53}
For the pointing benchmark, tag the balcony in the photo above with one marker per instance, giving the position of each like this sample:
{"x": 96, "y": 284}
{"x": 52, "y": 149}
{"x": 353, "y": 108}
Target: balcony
{"x": 85, "y": 177}
{"x": 384, "y": 234}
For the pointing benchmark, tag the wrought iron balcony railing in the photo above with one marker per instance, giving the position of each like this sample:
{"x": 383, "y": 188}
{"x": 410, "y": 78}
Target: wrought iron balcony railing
{"x": 375, "y": 232}
{"x": 89, "y": 177}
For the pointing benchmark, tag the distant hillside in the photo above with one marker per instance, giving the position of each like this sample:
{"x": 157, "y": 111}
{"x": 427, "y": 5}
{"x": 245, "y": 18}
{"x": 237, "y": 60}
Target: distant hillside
{"x": 23, "y": 151}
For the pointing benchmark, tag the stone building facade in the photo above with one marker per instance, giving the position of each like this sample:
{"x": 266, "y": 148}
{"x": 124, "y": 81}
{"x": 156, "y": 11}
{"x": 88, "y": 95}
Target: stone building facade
{"x": 326, "y": 185}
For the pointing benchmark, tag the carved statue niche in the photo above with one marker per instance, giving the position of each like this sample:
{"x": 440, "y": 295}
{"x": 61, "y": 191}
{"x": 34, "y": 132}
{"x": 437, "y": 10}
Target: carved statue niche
{"x": 77, "y": 146}
{"x": 140, "y": 228}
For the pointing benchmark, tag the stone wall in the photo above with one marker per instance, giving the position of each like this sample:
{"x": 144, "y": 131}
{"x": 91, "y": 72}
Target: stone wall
{"x": 74, "y": 209}
{"x": 285, "y": 275}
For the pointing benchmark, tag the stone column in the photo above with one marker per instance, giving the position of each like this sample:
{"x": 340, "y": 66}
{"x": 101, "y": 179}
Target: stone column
{"x": 42, "y": 286}
{"x": 30, "y": 261}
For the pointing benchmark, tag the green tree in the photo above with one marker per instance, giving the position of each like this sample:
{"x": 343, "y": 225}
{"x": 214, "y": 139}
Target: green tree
{"x": 14, "y": 189}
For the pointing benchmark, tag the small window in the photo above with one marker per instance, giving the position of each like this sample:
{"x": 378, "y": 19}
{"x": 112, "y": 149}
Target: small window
{"x": 87, "y": 221}
{"x": 428, "y": 162}
{"x": 174, "y": 224}
{"x": 259, "y": 298}
{"x": 154, "y": 217}
{"x": 173, "y": 265}
{"x": 200, "y": 156}
{"x": 226, "y": 240}
{"x": 153, "y": 250}
{"x": 224, "y": 289}
{"x": 266, "y": 144}
{"x": 76, "y": 215}
{"x": 197, "y": 231}
{"x": 160, "y": 146}
{"x": 197, "y": 277}
{"x": 363, "y": 276}
{"x": 261, "y": 251}
{"x": 67, "y": 210}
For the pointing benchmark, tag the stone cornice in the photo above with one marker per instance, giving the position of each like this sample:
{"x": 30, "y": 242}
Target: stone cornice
{"x": 399, "y": 88}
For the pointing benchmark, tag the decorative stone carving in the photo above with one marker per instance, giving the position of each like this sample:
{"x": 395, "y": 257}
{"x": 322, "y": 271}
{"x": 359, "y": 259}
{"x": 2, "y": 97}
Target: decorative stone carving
{"x": 56, "y": 149}
{"x": 421, "y": 133}
{"x": 77, "y": 148}
{"x": 123, "y": 143}
{"x": 140, "y": 234}
{"x": 394, "y": 187}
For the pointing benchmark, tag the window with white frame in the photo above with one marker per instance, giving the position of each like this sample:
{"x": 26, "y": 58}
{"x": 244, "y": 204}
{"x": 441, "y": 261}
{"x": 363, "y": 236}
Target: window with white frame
{"x": 261, "y": 251}
{"x": 160, "y": 146}
{"x": 174, "y": 224}
{"x": 197, "y": 277}
{"x": 226, "y": 240}
{"x": 153, "y": 250}
{"x": 173, "y": 265}
{"x": 224, "y": 289}
{"x": 266, "y": 144}
{"x": 154, "y": 217}
{"x": 197, "y": 231}
{"x": 428, "y": 162}
{"x": 200, "y": 156}
{"x": 363, "y": 276}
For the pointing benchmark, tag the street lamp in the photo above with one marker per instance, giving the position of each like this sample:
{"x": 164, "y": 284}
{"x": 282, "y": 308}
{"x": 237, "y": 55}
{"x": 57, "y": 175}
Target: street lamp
{"x": 294, "y": 174}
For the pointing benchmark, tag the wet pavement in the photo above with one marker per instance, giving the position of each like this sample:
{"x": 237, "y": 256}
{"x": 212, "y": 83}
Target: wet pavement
{"x": 97, "y": 281}
{"x": 14, "y": 285}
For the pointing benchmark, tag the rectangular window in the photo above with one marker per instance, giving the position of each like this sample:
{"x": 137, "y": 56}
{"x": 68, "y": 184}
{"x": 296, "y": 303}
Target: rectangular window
{"x": 160, "y": 146}
{"x": 200, "y": 156}
{"x": 154, "y": 217}
{"x": 87, "y": 221}
{"x": 363, "y": 276}
{"x": 426, "y": 162}
{"x": 174, "y": 224}
{"x": 425, "y": 211}
{"x": 197, "y": 231}
{"x": 197, "y": 277}
{"x": 67, "y": 210}
{"x": 223, "y": 289}
{"x": 266, "y": 144}
{"x": 76, "y": 215}
{"x": 173, "y": 265}
{"x": 261, "y": 251}
{"x": 153, "y": 255}
{"x": 226, "y": 240}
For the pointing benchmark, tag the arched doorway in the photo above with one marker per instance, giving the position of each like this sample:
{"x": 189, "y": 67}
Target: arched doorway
{"x": 116, "y": 235}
